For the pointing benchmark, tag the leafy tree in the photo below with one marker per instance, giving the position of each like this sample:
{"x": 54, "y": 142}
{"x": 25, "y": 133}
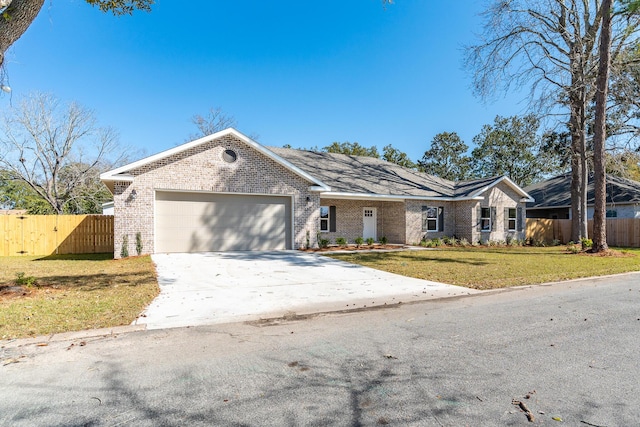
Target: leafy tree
{"x": 625, "y": 164}
{"x": 393, "y": 155}
{"x": 19, "y": 14}
{"x": 550, "y": 46}
{"x": 511, "y": 147}
{"x": 447, "y": 158}
{"x": 16, "y": 194}
{"x": 58, "y": 152}
{"x": 352, "y": 149}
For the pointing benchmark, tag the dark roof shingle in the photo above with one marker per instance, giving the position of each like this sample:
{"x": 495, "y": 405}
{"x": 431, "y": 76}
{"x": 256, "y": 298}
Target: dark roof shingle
{"x": 368, "y": 175}
{"x": 556, "y": 192}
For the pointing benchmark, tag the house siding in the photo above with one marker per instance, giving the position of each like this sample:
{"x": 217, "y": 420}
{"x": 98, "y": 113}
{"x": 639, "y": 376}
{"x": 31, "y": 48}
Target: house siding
{"x": 202, "y": 168}
{"x": 414, "y": 230}
{"x": 349, "y": 219}
{"x": 501, "y": 196}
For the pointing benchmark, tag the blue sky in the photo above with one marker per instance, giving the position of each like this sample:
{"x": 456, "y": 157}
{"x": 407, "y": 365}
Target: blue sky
{"x": 292, "y": 72}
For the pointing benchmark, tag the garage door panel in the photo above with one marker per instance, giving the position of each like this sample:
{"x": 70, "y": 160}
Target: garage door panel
{"x": 197, "y": 222}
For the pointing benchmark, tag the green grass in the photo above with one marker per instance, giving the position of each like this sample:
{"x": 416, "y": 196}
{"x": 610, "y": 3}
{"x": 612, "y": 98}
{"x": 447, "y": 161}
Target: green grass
{"x": 73, "y": 292}
{"x": 488, "y": 268}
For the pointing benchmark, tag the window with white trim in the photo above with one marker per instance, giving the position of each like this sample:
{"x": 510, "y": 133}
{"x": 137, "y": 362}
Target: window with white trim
{"x": 485, "y": 219}
{"x": 429, "y": 218}
{"x": 324, "y": 218}
{"x": 512, "y": 219}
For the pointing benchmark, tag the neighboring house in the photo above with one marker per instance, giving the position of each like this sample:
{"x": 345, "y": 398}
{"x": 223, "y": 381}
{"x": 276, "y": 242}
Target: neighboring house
{"x": 107, "y": 208}
{"x": 228, "y": 192}
{"x": 553, "y": 198}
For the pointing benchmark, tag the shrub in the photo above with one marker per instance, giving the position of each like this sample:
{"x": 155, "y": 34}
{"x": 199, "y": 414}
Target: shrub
{"x": 308, "y": 237}
{"x": 124, "y": 251}
{"x": 370, "y": 241}
{"x": 463, "y": 242}
{"x": 359, "y": 241}
{"x": 437, "y": 242}
{"x": 383, "y": 240}
{"x": 555, "y": 242}
{"x": 22, "y": 280}
{"x": 573, "y": 248}
{"x": 341, "y": 241}
{"x": 323, "y": 243}
{"x": 139, "y": 243}
{"x": 586, "y": 243}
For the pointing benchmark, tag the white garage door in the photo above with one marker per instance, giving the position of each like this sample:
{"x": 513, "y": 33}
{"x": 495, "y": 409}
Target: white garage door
{"x": 201, "y": 222}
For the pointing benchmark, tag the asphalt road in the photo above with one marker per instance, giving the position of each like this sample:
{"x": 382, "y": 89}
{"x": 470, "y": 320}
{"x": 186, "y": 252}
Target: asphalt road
{"x": 567, "y": 351}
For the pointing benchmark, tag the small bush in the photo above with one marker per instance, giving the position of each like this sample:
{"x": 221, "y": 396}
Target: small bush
{"x": 124, "y": 251}
{"x": 308, "y": 238}
{"x": 514, "y": 242}
{"x": 437, "y": 242}
{"x": 555, "y": 242}
{"x": 463, "y": 242}
{"x": 383, "y": 240}
{"x": 586, "y": 243}
{"x": 341, "y": 241}
{"x": 359, "y": 241}
{"x": 139, "y": 243}
{"x": 323, "y": 243}
{"x": 431, "y": 243}
{"x": 370, "y": 241}
{"x": 22, "y": 280}
{"x": 573, "y": 248}
{"x": 540, "y": 243}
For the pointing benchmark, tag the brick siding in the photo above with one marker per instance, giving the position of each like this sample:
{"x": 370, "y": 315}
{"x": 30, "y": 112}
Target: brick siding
{"x": 202, "y": 168}
{"x": 350, "y": 219}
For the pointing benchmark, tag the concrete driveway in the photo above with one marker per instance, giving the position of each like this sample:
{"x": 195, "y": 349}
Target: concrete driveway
{"x": 221, "y": 287}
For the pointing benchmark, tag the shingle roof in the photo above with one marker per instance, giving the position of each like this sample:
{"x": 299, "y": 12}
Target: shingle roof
{"x": 556, "y": 192}
{"x": 368, "y": 175}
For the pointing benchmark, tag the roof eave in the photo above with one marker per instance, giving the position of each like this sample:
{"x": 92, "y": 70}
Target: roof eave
{"x": 383, "y": 197}
{"x": 507, "y": 181}
{"x": 115, "y": 174}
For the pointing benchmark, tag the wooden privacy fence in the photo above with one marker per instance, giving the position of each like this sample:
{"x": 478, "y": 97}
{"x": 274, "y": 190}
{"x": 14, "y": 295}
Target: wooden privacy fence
{"x": 623, "y": 232}
{"x": 55, "y": 234}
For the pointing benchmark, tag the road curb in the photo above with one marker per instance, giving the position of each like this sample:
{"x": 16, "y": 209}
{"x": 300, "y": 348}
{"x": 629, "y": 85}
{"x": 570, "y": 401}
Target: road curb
{"x": 72, "y": 336}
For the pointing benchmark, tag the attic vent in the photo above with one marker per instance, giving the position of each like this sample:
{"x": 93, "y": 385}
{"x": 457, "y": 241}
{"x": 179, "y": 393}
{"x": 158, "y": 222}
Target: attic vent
{"x": 229, "y": 156}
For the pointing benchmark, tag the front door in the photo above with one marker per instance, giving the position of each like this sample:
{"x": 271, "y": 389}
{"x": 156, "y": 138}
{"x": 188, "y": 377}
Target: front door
{"x": 369, "y": 223}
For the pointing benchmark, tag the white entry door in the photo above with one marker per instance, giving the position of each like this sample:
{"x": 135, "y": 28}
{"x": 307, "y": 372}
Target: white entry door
{"x": 369, "y": 223}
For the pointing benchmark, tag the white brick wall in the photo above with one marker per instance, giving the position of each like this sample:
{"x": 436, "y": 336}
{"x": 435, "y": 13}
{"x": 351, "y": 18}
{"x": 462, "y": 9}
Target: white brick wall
{"x": 202, "y": 169}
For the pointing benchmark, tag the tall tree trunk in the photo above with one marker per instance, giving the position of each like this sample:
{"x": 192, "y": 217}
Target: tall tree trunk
{"x": 18, "y": 17}
{"x": 578, "y": 164}
{"x": 599, "y": 137}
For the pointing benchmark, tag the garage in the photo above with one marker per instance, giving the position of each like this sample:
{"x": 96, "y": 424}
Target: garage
{"x": 204, "y": 222}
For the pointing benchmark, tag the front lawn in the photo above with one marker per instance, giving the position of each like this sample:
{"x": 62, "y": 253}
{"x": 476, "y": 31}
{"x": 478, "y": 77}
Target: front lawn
{"x": 72, "y": 292}
{"x": 497, "y": 267}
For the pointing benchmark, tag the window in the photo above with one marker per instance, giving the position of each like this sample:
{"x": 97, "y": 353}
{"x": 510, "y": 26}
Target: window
{"x": 485, "y": 219}
{"x": 612, "y": 213}
{"x": 512, "y": 219}
{"x": 324, "y": 218}
{"x": 229, "y": 156}
{"x": 429, "y": 218}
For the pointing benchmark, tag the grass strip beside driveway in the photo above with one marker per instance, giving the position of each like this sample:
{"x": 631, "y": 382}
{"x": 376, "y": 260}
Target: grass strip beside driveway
{"x": 490, "y": 267}
{"x": 72, "y": 292}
